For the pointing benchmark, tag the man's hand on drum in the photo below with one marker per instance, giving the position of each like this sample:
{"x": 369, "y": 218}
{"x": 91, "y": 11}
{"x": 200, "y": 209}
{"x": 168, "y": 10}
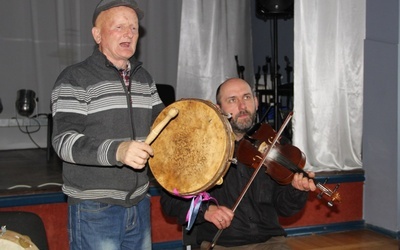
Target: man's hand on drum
{"x": 220, "y": 216}
{"x": 303, "y": 183}
{"x": 134, "y": 153}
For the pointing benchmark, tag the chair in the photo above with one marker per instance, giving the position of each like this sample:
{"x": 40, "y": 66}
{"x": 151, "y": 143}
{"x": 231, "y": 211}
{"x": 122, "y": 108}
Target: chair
{"x": 26, "y": 223}
{"x": 166, "y": 93}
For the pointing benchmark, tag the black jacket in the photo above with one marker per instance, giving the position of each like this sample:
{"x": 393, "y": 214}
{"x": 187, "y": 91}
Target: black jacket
{"x": 256, "y": 217}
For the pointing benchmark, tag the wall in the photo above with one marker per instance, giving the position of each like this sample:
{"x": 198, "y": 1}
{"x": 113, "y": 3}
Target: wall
{"x": 381, "y": 119}
{"x": 23, "y": 133}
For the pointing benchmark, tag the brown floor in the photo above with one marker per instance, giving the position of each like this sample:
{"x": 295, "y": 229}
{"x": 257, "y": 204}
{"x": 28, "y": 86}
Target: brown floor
{"x": 358, "y": 239}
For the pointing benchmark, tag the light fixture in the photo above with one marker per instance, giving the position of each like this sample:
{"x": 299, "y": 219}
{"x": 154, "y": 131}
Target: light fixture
{"x": 26, "y": 102}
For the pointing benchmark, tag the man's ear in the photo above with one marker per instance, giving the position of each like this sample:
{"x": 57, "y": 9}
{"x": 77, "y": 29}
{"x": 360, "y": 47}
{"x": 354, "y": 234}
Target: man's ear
{"x": 96, "y": 34}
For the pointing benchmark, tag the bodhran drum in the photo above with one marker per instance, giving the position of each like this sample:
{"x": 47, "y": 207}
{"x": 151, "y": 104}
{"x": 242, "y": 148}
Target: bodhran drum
{"x": 11, "y": 240}
{"x": 194, "y": 151}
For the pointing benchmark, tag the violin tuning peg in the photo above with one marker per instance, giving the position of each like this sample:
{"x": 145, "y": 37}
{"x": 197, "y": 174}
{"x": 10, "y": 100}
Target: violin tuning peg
{"x": 330, "y": 203}
{"x": 336, "y": 187}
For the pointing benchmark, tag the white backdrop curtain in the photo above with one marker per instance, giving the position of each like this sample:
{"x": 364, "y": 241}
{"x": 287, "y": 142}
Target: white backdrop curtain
{"x": 328, "y": 89}
{"x": 39, "y": 38}
{"x": 212, "y": 34}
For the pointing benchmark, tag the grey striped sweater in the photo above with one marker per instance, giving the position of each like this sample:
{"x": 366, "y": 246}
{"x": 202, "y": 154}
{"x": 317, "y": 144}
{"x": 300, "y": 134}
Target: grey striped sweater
{"x": 92, "y": 113}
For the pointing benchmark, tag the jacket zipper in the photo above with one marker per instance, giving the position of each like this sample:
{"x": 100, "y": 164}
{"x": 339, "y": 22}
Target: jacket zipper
{"x": 128, "y": 96}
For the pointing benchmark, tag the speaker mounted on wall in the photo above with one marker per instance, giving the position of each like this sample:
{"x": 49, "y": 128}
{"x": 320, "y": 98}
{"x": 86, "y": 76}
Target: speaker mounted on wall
{"x": 274, "y": 8}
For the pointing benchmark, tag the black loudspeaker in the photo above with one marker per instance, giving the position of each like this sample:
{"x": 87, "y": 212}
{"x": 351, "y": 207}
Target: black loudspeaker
{"x": 274, "y": 8}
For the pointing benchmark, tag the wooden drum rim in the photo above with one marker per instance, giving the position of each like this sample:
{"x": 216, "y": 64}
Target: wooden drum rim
{"x": 195, "y": 149}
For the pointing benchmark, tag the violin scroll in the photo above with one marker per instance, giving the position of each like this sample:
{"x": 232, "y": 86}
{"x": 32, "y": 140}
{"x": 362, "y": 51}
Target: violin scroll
{"x": 334, "y": 195}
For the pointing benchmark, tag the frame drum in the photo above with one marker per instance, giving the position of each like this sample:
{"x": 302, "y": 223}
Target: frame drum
{"x": 194, "y": 151}
{"x": 11, "y": 240}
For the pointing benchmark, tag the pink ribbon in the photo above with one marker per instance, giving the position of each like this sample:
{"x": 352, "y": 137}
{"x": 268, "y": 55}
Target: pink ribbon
{"x": 195, "y": 205}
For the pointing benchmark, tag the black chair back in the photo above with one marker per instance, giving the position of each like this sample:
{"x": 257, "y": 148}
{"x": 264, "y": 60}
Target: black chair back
{"x": 166, "y": 93}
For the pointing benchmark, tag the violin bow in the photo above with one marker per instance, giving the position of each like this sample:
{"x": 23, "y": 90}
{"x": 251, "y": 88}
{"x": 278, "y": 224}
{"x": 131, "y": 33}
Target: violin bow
{"x": 260, "y": 165}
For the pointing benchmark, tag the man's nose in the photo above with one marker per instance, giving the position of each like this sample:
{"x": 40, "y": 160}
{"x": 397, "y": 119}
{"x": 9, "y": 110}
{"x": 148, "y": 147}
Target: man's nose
{"x": 129, "y": 33}
{"x": 241, "y": 105}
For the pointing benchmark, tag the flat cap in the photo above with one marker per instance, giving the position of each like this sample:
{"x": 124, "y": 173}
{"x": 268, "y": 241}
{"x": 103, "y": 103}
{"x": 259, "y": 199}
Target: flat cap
{"x": 108, "y": 4}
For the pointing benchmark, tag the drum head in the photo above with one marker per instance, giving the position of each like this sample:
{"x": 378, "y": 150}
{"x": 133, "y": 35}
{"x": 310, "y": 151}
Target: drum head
{"x": 193, "y": 152}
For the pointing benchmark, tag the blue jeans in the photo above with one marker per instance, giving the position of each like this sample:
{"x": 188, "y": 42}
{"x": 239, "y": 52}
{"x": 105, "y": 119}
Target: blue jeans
{"x": 97, "y": 226}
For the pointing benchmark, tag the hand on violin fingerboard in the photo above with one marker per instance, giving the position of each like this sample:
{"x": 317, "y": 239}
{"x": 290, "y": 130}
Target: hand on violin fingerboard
{"x": 303, "y": 183}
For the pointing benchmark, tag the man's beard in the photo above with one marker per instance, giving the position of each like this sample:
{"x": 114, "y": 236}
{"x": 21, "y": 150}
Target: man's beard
{"x": 245, "y": 124}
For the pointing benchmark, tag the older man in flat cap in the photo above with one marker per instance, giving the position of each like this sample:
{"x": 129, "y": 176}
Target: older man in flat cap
{"x": 102, "y": 110}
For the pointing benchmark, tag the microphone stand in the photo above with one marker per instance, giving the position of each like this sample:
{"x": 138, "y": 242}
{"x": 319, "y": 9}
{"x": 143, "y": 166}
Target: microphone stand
{"x": 275, "y": 74}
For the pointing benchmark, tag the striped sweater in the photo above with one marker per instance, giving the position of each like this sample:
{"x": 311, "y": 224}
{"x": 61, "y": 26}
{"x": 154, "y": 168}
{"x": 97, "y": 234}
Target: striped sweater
{"x": 93, "y": 112}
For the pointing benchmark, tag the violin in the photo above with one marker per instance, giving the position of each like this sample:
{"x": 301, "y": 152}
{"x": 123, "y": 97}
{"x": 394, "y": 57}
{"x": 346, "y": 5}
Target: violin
{"x": 282, "y": 161}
